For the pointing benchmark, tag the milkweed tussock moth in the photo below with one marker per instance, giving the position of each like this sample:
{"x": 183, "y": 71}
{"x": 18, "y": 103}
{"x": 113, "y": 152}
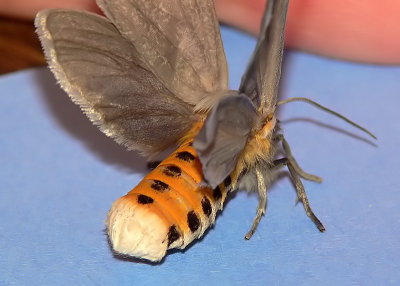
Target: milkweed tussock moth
{"x": 153, "y": 74}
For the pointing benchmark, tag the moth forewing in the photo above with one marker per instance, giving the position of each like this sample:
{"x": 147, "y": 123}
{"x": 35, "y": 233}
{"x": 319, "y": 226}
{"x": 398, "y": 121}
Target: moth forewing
{"x": 179, "y": 41}
{"x": 103, "y": 73}
{"x": 261, "y": 79}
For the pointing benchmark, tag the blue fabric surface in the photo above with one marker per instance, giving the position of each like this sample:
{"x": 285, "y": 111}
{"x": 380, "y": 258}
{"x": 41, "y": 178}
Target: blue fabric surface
{"x": 59, "y": 176}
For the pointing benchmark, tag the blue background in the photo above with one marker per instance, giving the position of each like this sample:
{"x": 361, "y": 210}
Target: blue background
{"x": 59, "y": 176}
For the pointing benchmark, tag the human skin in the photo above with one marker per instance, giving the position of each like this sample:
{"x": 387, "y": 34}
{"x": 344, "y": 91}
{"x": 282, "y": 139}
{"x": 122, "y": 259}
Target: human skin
{"x": 365, "y": 31}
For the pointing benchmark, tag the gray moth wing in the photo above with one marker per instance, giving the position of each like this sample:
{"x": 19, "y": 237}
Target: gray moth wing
{"x": 219, "y": 143}
{"x": 261, "y": 79}
{"x": 179, "y": 41}
{"x": 224, "y": 136}
{"x": 105, "y": 75}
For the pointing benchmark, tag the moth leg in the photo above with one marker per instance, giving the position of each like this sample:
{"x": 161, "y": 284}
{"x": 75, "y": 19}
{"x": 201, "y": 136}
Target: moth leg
{"x": 262, "y": 203}
{"x": 295, "y": 165}
{"x": 302, "y": 196}
{"x": 301, "y": 192}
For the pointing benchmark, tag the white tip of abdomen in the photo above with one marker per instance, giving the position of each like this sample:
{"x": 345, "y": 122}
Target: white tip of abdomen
{"x": 136, "y": 231}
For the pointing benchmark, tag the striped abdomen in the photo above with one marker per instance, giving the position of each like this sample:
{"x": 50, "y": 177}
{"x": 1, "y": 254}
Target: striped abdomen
{"x": 169, "y": 208}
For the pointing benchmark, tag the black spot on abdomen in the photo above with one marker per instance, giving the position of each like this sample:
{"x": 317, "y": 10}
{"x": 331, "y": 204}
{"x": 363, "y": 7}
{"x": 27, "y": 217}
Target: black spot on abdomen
{"x": 185, "y": 156}
{"x": 144, "y": 200}
{"x": 227, "y": 182}
{"x": 159, "y": 186}
{"x": 173, "y": 235}
{"x": 172, "y": 171}
{"x": 217, "y": 193}
{"x": 242, "y": 173}
{"x": 206, "y": 206}
{"x": 193, "y": 221}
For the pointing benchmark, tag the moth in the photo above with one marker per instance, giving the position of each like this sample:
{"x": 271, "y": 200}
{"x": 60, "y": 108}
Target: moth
{"x": 153, "y": 74}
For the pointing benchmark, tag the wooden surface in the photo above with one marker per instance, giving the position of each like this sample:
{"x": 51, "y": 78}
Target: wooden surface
{"x": 19, "y": 46}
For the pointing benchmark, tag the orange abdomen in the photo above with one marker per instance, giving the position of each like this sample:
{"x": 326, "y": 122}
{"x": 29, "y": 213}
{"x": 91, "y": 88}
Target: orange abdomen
{"x": 169, "y": 208}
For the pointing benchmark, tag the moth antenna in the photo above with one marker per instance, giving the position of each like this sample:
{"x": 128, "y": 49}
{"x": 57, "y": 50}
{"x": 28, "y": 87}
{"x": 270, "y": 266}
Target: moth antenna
{"x": 312, "y": 102}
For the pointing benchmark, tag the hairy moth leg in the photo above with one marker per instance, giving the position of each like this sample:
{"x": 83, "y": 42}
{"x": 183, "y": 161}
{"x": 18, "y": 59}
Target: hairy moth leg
{"x": 301, "y": 192}
{"x": 302, "y": 196}
{"x": 262, "y": 203}
{"x": 293, "y": 162}
{"x": 296, "y": 172}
